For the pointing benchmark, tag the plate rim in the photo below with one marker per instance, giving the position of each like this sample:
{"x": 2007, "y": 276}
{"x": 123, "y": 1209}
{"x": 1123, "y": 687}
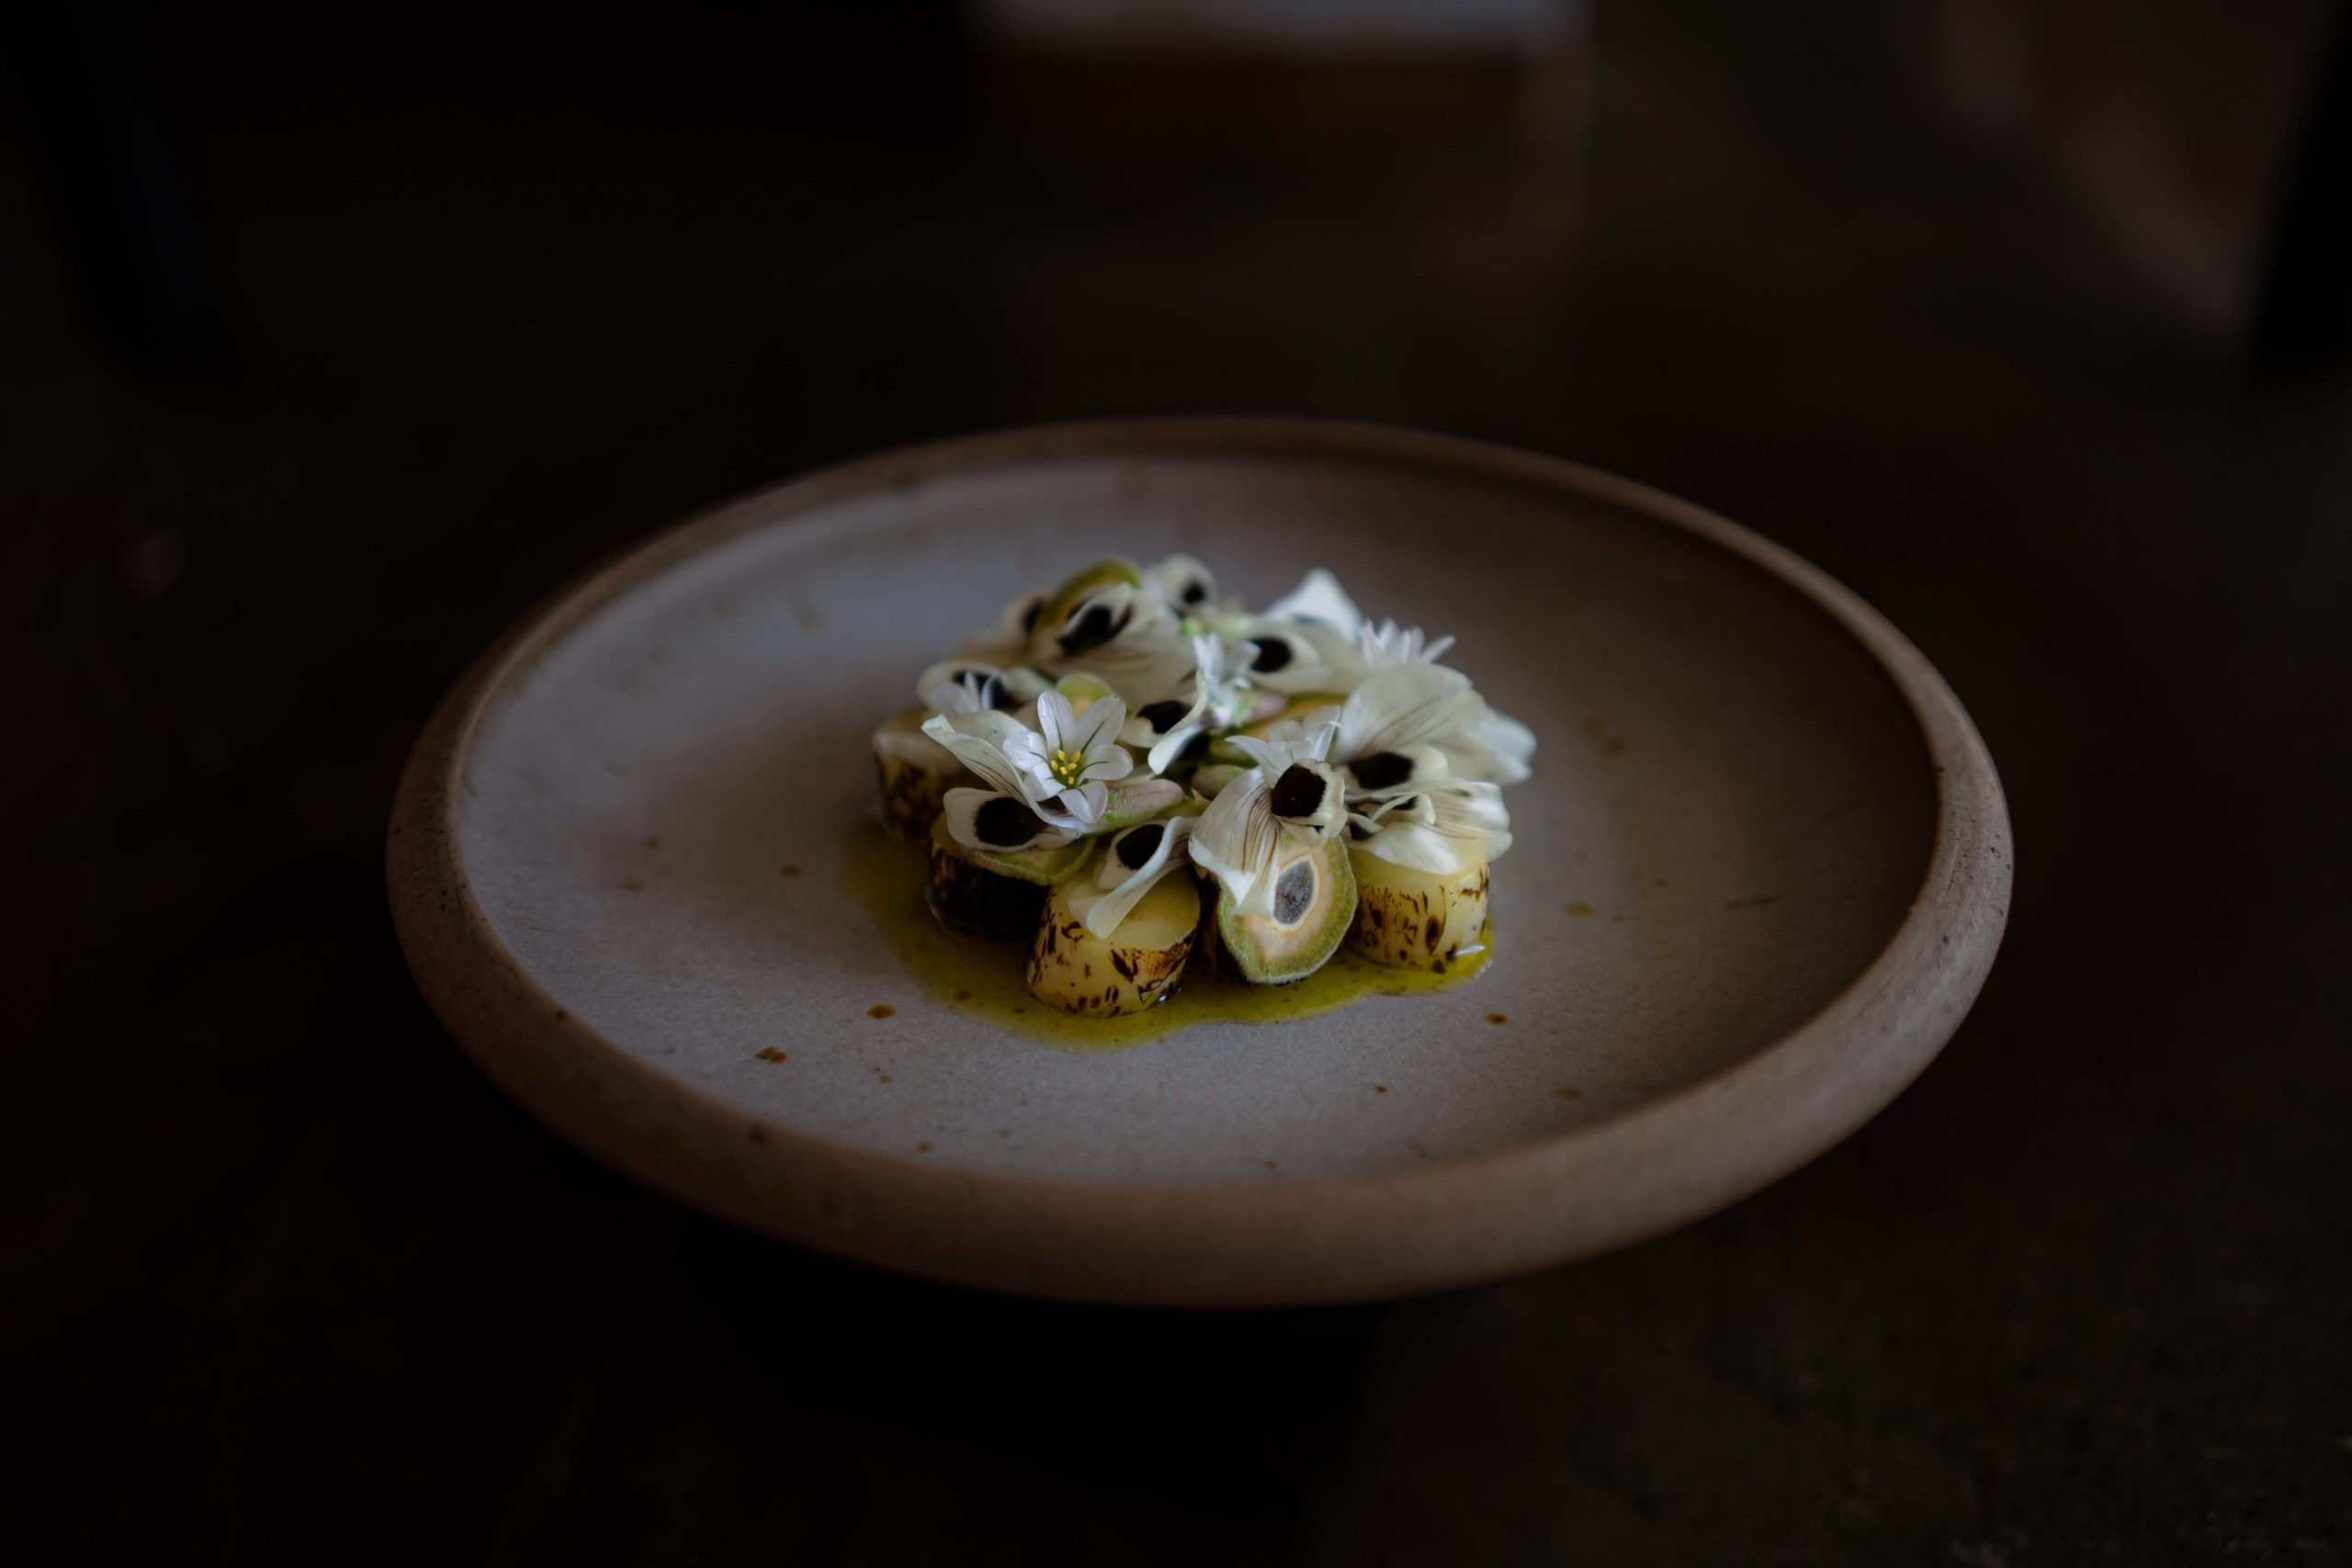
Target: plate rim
{"x": 1311, "y": 1240}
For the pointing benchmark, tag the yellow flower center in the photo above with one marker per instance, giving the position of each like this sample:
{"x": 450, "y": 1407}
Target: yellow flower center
{"x": 1066, "y": 765}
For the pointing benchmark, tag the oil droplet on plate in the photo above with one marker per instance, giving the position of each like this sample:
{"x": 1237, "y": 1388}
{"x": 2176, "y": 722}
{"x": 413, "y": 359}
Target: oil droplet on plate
{"x": 1580, "y": 909}
{"x": 881, "y": 1010}
{"x": 1498, "y": 1018}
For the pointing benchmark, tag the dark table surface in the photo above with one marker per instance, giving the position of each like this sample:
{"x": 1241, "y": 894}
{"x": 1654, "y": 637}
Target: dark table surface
{"x": 284, "y": 1281}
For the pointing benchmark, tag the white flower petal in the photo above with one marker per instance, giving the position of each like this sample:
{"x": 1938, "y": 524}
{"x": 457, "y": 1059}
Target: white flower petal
{"x": 1331, "y": 805}
{"x": 1265, "y": 705}
{"x": 1007, "y": 641}
{"x": 1491, "y": 746}
{"x": 1012, "y": 689}
{"x": 1272, "y": 756}
{"x": 1296, "y": 655}
{"x": 1218, "y": 702}
{"x": 952, "y": 698}
{"x": 1319, "y": 597}
{"x": 1446, "y": 829}
{"x": 1209, "y": 660}
{"x": 1119, "y": 888}
{"x": 1099, "y": 744}
{"x": 1122, "y": 636}
{"x": 1085, "y": 802}
{"x": 978, "y": 741}
{"x": 1183, "y": 581}
{"x": 1075, "y": 754}
{"x": 1139, "y": 670}
{"x": 1108, "y": 870}
{"x": 993, "y": 726}
{"x": 1210, "y": 778}
{"x": 1339, "y": 653}
{"x": 1389, "y": 772}
{"x": 963, "y": 806}
{"x": 1386, "y": 644}
{"x": 1098, "y": 617}
{"x": 1235, "y": 840}
{"x": 1405, "y": 705}
{"x": 1226, "y": 620}
{"x": 1027, "y": 754}
{"x": 1403, "y": 806}
{"x": 1230, "y": 704}
{"x": 1056, "y": 719}
{"x": 1292, "y": 740}
{"x": 1168, "y": 748}
{"x": 960, "y": 678}
{"x": 1131, "y": 799}
{"x": 1022, "y": 685}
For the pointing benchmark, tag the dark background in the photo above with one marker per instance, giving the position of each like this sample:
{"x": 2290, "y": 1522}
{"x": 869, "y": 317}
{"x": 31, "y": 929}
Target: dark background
{"x": 331, "y": 339}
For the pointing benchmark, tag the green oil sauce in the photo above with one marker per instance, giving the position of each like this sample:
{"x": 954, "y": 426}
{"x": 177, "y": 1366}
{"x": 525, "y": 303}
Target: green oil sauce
{"x": 984, "y": 978}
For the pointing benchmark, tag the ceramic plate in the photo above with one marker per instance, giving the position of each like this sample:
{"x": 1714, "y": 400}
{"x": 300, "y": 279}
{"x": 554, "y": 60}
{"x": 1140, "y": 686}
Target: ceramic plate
{"x": 1760, "y": 875}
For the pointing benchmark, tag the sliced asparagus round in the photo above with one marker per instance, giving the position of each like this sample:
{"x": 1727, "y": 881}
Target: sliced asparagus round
{"x": 1315, "y": 899}
{"x": 911, "y": 772}
{"x": 1135, "y": 967}
{"x": 988, "y": 893}
{"x": 1417, "y": 919}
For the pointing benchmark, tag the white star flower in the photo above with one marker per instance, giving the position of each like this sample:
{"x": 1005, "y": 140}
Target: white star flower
{"x": 1221, "y": 700}
{"x": 1075, "y": 757}
{"x": 1386, "y": 644}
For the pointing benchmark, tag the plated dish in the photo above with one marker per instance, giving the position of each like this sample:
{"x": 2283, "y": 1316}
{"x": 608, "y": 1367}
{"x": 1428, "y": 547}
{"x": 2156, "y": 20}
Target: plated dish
{"x": 1757, "y": 872}
{"x": 1129, "y": 764}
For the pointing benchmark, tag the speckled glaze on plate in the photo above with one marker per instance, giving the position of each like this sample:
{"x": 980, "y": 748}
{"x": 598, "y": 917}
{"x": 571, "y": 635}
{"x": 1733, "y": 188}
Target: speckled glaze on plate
{"x": 1761, "y": 875}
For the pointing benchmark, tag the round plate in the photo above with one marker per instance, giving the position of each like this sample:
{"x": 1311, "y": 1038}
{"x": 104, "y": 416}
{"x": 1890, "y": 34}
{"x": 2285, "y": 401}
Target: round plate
{"x": 1760, "y": 875}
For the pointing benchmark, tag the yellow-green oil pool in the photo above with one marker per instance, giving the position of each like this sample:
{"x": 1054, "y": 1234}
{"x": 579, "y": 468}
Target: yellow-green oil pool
{"x": 983, "y": 978}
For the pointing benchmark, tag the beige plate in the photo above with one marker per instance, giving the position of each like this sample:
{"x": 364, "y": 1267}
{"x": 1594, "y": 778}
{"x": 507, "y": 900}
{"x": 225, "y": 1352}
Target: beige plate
{"x": 1760, "y": 875}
